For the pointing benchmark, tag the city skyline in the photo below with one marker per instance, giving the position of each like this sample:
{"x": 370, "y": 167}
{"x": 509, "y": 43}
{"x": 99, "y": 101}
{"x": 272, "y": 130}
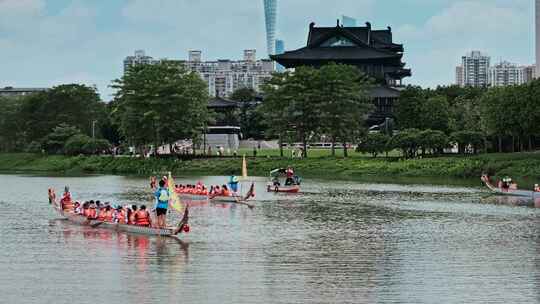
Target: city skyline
{"x": 85, "y": 41}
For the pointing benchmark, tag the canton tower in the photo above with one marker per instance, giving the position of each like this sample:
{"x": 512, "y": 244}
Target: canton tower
{"x": 270, "y": 15}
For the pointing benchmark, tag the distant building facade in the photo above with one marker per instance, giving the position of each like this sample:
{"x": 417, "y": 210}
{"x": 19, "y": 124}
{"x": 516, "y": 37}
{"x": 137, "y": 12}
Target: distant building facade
{"x": 280, "y": 49}
{"x": 348, "y": 21}
{"x": 226, "y": 76}
{"x": 530, "y": 73}
{"x": 372, "y": 51}
{"x": 139, "y": 58}
{"x": 506, "y": 73}
{"x": 270, "y": 17}
{"x": 18, "y": 92}
{"x": 474, "y": 70}
{"x": 222, "y": 76}
{"x": 459, "y": 75}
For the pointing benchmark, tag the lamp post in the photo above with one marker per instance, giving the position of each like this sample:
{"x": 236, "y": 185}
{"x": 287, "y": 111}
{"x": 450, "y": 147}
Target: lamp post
{"x": 94, "y": 129}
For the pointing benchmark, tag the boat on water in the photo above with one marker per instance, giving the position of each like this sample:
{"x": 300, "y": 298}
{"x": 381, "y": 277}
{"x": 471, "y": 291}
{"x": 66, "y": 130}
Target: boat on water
{"x": 199, "y": 193}
{"x": 291, "y": 185}
{"x": 82, "y": 220}
{"x": 509, "y": 189}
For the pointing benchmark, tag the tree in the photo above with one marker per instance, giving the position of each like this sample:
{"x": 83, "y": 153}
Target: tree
{"x": 274, "y": 108}
{"x": 374, "y": 144}
{"x": 422, "y": 110}
{"x": 12, "y": 135}
{"x": 433, "y": 141}
{"x": 75, "y": 144}
{"x": 160, "y": 103}
{"x": 55, "y": 142}
{"x": 466, "y": 139}
{"x": 293, "y": 103}
{"x": 72, "y": 104}
{"x": 251, "y": 121}
{"x": 408, "y": 141}
{"x": 345, "y": 102}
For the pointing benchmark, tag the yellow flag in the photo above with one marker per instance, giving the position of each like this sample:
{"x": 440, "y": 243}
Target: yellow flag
{"x": 174, "y": 201}
{"x": 244, "y": 168}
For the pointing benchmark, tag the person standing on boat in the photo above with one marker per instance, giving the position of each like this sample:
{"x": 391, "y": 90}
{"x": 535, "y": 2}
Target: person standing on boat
{"x": 289, "y": 173}
{"x": 162, "y": 203}
{"x": 233, "y": 183}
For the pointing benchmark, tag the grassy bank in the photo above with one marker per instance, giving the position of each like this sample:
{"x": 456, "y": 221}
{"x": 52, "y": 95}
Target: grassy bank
{"x": 519, "y": 165}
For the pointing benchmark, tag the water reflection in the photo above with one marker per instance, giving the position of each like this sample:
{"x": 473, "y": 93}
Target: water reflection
{"x": 339, "y": 242}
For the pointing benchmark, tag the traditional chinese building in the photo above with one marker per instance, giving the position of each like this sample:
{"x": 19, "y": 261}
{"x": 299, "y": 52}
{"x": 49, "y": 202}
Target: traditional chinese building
{"x": 372, "y": 51}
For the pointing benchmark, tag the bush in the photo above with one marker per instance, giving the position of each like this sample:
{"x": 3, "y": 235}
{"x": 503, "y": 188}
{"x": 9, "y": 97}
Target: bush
{"x": 96, "y": 146}
{"x": 433, "y": 141}
{"x": 56, "y": 140}
{"x": 374, "y": 144}
{"x": 75, "y": 145}
{"x": 408, "y": 141}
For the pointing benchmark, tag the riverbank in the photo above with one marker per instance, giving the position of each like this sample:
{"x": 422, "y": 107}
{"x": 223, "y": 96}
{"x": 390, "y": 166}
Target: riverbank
{"x": 518, "y": 165}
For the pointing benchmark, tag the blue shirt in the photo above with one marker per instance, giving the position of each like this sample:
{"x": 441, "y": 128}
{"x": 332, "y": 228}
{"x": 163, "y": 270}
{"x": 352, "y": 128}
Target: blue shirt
{"x": 162, "y": 198}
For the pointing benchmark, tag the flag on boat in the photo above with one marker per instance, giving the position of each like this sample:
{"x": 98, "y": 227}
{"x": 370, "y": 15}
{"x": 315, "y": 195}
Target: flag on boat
{"x": 244, "y": 168}
{"x": 175, "y": 201}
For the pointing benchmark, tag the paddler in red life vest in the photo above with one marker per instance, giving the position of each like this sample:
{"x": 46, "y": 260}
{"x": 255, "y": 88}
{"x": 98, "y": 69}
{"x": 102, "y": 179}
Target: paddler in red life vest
{"x": 225, "y": 191}
{"x": 142, "y": 217}
{"x": 109, "y": 213}
{"x": 65, "y": 201}
{"x": 92, "y": 214}
{"x": 120, "y": 215}
{"x": 289, "y": 173}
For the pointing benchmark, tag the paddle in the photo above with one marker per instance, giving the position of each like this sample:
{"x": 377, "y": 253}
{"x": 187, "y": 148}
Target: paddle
{"x": 182, "y": 222}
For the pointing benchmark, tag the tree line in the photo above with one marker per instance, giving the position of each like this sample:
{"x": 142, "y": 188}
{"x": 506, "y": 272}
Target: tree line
{"x": 162, "y": 103}
{"x": 498, "y": 119}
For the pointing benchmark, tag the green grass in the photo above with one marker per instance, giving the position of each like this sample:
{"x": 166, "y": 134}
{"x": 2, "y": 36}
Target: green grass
{"x": 518, "y": 165}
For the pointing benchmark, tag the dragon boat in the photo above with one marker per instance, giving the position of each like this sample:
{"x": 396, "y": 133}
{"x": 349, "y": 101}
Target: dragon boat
{"x": 509, "y": 191}
{"x": 83, "y": 221}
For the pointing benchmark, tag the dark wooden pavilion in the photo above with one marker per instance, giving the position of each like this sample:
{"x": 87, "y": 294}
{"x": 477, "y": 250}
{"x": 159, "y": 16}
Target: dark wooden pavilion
{"x": 372, "y": 51}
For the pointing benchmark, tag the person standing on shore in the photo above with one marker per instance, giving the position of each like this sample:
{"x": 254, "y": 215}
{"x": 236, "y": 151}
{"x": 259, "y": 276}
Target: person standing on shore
{"x": 162, "y": 203}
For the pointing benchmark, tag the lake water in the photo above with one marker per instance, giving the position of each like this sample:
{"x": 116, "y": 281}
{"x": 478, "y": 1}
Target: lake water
{"x": 339, "y": 242}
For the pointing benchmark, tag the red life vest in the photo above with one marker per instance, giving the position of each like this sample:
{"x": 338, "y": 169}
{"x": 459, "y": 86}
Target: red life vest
{"x": 142, "y": 218}
{"x": 101, "y": 215}
{"x": 91, "y": 213}
{"x": 108, "y": 216}
{"x": 121, "y": 216}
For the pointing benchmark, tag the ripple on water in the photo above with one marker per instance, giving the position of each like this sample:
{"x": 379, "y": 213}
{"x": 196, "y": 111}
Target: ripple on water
{"x": 341, "y": 242}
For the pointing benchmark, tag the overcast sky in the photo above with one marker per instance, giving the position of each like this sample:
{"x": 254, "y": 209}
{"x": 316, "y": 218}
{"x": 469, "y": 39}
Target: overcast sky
{"x": 49, "y": 42}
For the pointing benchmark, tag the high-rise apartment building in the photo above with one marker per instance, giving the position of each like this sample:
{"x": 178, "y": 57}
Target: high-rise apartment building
{"x": 250, "y": 55}
{"x": 537, "y": 27}
{"x": 139, "y": 58}
{"x": 226, "y": 76}
{"x": 530, "y": 73}
{"x": 270, "y": 15}
{"x": 505, "y": 74}
{"x": 459, "y": 75}
{"x": 348, "y": 21}
{"x": 280, "y": 49}
{"x": 474, "y": 70}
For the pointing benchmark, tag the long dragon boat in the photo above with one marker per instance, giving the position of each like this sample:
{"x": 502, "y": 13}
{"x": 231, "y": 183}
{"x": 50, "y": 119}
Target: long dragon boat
{"x": 233, "y": 199}
{"x": 509, "y": 191}
{"x": 83, "y": 221}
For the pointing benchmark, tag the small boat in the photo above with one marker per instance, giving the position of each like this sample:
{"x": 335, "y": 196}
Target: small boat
{"x": 509, "y": 191}
{"x": 283, "y": 189}
{"x": 274, "y": 185}
{"x": 82, "y": 220}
